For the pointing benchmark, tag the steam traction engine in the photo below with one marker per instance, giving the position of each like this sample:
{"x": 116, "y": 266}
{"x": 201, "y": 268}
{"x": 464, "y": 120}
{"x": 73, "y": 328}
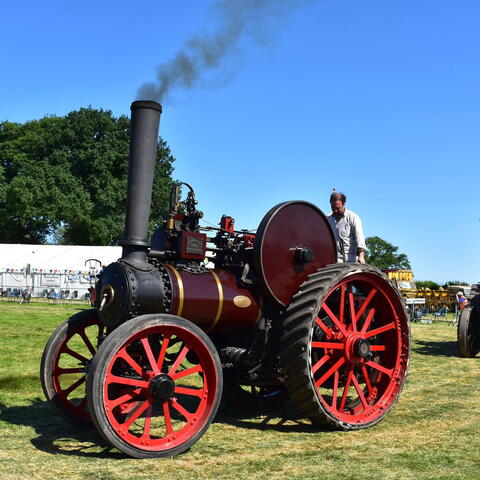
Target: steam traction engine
{"x": 276, "y": 317}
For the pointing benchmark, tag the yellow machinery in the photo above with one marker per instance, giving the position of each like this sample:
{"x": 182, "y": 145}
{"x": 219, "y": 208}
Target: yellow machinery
{"x": 403, "y": 280}
{"x": 434, "y": 299}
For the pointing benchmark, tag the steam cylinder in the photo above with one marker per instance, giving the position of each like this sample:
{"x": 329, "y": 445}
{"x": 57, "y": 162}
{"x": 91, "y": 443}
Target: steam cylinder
{"x": 213, "y": 300}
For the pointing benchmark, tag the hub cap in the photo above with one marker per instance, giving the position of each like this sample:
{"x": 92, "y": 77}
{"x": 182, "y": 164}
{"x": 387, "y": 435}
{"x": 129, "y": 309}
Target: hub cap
{"x": 162, "y": 387}
{"x": 362, "y": 349}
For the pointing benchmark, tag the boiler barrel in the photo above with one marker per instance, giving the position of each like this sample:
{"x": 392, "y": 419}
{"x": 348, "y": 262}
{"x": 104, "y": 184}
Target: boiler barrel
{"x": 213, "y": 300}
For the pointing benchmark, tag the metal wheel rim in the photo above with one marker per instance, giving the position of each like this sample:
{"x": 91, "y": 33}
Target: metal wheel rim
{"x": 147, "y": 406}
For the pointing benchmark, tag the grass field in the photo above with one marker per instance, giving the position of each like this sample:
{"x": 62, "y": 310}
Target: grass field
{"x": 432, "y": 433}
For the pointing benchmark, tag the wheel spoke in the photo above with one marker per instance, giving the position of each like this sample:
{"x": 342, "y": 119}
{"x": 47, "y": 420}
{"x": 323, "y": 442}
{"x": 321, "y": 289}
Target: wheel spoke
{"x": 124, "y": 398}
{"x": 345, "y": 390}
{"x": 87, "y": 342}
{"x": 72, "y": 387}
{"x": 178, "y": 360}
{"x": 124, "y": 355}
{"x": 378, "y": 331}
{"x": 182, "y": 411}
{"x": 327, "y": 345}
{"x": 320, "y": 362}
{"x": 194, "y": 392}
{"x": 163, "y": 351}
{"x": 351, "y": 303}
{"x": 151, "y": 358}
{"x": 367, "y": 380}
{"x": 359, "y": 391}
{"x": 73, "y": 354}
{"x": 336, "y": 378}
{"x": 365, "y": 303}
{"x": 126, "y": 381}
{"x": 323, "y": 327}
{"x": 168, "y": 419}
{"x": 63, "y": 371}
{"x": 368, "y": 320}
{"x": 186, "y": 372}
{"x": 148, "y": 421}
{"x": 380, "y": 368}
{"x": 335, "y": 320}
{"x": 377, "y": 348}
{"x": 341, "y": 315}
{"x": 136, "y": 413}
{"x": 330, "y": 371}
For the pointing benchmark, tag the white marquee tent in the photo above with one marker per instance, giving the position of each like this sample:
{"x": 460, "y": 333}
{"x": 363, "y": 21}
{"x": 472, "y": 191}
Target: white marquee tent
{"x": 58, "y": 271}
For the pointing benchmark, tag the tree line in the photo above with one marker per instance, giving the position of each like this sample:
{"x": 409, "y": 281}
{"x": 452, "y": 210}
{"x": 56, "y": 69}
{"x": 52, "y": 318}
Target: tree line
{"x": 63, "y": 179}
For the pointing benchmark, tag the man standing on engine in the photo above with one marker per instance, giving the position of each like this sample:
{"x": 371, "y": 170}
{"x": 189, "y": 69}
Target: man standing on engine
{"x": 348, "y": 231}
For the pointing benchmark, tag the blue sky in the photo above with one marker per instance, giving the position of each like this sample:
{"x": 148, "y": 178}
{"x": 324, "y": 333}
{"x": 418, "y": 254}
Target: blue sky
{"x": 379, "y": 99}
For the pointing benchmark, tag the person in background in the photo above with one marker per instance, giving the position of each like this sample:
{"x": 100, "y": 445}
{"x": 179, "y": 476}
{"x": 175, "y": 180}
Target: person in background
{"x": 462, "y": 301}
{"x": 348, "y": 230}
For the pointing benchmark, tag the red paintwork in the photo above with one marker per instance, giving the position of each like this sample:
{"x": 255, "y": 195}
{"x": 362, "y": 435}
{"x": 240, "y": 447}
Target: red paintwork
{"x": 201, "y": 301}
{"x": 227, "y": 223}
{"x": 361, "y": 307}
{"x": 284, "y": 228}
{"x": 246, "y": 238}
{"x": 120, "y": 391}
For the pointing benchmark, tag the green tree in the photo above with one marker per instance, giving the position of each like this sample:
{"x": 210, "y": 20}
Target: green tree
{"x": 66, "y": 178}
{"x": 454, "y": 282}
{"x": 384, "y": 255}
{"x": 427, "y": 284}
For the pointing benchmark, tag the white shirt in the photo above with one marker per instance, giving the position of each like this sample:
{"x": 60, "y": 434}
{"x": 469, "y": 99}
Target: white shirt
{"x": 349, "y": 235}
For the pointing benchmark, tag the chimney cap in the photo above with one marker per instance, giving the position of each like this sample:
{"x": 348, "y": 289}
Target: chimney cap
{"x": 146, "y": 104}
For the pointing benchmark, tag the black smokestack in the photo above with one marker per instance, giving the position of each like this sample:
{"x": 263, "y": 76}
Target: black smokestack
{"x": 253, "y": 18}
{"x": 141, "y": 168}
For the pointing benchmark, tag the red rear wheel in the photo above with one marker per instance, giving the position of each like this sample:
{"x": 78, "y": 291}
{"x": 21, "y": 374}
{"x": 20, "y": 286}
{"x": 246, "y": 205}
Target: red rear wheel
{"x": 65, "y": 358}
{"x": 346, "y": 346}
{"x": 154, "y": 386}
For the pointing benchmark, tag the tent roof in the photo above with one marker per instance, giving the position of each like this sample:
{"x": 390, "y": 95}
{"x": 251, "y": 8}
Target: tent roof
{"x": 60, "y": 257}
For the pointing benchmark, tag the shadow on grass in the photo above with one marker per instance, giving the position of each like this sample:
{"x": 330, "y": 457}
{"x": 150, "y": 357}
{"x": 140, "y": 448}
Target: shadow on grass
{"x": 55, "y": 435}
{"x": 285, "y": 418}
{"x": 434, "y": 348}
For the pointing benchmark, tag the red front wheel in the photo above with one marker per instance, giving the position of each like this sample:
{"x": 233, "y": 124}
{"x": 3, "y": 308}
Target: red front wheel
{"x": 346, "y": 346}
{"x": 65, "y": 359}
{"x": 154, "y": 386}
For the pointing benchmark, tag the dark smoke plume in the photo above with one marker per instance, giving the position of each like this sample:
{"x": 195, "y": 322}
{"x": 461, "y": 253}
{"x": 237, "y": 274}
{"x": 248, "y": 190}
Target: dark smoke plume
{"x": 237, "y": 18}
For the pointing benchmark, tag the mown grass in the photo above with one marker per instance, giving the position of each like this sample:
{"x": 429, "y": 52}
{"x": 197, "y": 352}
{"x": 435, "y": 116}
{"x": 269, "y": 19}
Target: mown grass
{"x": 432, "y": 433}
